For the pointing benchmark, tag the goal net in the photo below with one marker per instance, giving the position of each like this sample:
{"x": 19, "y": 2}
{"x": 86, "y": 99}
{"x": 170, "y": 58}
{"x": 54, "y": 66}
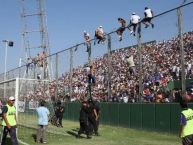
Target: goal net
{"x": 28, "y": 93}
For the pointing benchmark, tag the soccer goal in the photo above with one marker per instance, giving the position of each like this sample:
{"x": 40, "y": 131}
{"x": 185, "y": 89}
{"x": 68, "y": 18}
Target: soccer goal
{"x": 28, "y": 93}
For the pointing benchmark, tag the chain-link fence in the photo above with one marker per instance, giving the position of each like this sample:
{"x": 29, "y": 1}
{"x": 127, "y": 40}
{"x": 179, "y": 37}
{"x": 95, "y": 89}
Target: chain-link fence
{"x": 134, "y": 69}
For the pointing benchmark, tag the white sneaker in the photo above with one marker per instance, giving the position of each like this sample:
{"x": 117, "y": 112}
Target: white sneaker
{"x": 131, "y": 32}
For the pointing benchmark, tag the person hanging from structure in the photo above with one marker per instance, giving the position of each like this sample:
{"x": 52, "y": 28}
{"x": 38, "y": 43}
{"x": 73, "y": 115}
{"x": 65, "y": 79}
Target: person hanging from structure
{"x": 87, "y": 41}
{"x": 121, "y": 29}
{"x": 131, "y": 64}
{"x": 35, "y": 60}
{"x": 29, "y": 64}
{"x": 91, "y": 79}
{"x": 148, "y": 16}
{"x": 99, "y": 35}
{"x": 91, "y": 75}
{"x": 42, "y": 59}
{"x": 134, "y": 20}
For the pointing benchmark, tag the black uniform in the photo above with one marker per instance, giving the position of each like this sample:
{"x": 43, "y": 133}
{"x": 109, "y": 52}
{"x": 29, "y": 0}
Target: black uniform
{"x": 84, "y": 123}
{"x": 92, "y": 118}
{"x": 97, "y": 108}
{"x": 59, "y": 111}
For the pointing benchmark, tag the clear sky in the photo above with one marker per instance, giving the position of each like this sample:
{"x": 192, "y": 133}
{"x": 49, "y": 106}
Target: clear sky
{"x": 67, "y": 19}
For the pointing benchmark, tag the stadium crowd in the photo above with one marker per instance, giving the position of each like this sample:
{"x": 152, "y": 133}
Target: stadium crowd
{"x": 160, "y": 65}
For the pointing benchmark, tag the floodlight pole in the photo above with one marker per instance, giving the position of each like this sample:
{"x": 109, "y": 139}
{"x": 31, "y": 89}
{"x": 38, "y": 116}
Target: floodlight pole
{"x": 7, "y": 43}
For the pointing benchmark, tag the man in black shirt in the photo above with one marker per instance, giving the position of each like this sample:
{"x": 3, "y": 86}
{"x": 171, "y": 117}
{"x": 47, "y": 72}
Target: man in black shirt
{"x": 84, "y": 122}
{"x": 97, "y": 108}
{"x": 59, "y": 111}
{"x": 93, "y": 117}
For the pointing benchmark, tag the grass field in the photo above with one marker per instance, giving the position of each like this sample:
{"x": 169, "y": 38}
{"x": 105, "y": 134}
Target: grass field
{"x": 108, "y": 136}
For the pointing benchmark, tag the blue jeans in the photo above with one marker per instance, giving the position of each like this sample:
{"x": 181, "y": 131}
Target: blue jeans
{"x": 12, "y": 133}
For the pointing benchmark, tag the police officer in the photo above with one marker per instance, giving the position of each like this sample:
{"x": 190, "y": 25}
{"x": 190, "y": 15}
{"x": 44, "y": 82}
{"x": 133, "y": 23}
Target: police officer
{"x": 9, "y": 122}
{"x": 97, "y": 108}
{"x": 84, "y": 123}
{"x": 186, "y": 125}
{"x": 93, "y": 117}
{"x": 59, "y": 113}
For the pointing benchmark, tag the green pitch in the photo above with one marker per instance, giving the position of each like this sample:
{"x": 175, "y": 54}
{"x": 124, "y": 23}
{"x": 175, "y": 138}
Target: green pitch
{"x": 109, "y": 136}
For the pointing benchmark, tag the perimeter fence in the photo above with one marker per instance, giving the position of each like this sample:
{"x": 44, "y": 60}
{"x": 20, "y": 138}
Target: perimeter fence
{"x": 160, "y": 55}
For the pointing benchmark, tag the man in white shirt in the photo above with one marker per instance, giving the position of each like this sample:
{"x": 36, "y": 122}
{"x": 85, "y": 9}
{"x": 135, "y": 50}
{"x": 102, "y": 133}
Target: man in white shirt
{"x": 134, "y": 20}
{"x": 43, "y": 114}
{"x": 131, "y": 64}
{"x": 99, "y": 34}
{"x": 148, "y": 16}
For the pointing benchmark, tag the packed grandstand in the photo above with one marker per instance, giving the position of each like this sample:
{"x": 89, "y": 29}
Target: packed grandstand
{"x": 160, "y": 65}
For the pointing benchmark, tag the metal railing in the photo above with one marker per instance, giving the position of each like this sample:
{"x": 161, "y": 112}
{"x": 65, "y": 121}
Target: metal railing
{"x": 66, "y": 67}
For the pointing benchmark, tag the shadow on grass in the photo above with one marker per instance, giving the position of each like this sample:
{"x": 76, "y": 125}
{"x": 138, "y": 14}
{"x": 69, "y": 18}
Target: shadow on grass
{"x": 76, "y": 130}
{"x": 72, "y": 133}
{"x": 34, "y": 137}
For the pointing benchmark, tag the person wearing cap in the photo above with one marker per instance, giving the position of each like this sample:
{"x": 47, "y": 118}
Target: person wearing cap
{"x": 186, "y": 124}
{"x": 87, "y": 40}
{"x": 148, "y": 16}
{"x": 43, "y": 114}
{"x": 134, "y": 20}
{"x": 9, "y": 122}
{"x": 122, "y": 28}
{"x": 99, "y": 34}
